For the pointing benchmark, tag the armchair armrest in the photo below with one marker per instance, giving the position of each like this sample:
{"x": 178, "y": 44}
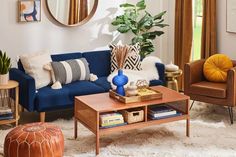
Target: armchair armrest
{"x": 26, "y": 88}
{"x": 161, "y": 72}
{"x": 193, "y": 73}
{"x": 231, "y": 86}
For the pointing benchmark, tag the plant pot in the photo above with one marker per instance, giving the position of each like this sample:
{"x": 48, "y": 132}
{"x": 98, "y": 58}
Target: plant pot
{"x": 4, "y": 79}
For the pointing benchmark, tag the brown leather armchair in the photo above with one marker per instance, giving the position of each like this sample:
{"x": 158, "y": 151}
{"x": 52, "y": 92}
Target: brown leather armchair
{"x": 199, "y": 89}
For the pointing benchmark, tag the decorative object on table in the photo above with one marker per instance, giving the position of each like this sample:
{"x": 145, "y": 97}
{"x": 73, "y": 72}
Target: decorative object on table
{"x": 171, "y": 79}
{"x": 36, "y": 140}
{"x": 142, "y": 84}
{"x": 216, "y": 67}
{"x": 162, "y": 111}
{"x": 9, "y": 103}
{"x": 125, "y": 57}
{"x": 131, "y": 89}
{"x": 149, "y": 71}
{"x": 152, "y": 95}
{"x": 120, "y": 80}
{"x": 5, "y": 65}
{"x": 142, "y": 24}
{"x": 112, "y": 119}
{"x": 171, "y": 67}
{"x": 29, "y": 10}
{"x": 133, "y": 115}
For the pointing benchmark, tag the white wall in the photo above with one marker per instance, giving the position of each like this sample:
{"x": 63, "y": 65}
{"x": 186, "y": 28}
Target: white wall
{"x": 18, "y": 38}
{"x": 164, "y": 45}
{"x": 225, "y": 41}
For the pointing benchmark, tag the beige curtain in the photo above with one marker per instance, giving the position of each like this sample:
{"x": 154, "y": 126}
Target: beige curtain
{"x": 73, "y": 12}
{"x": 83, "y": 10}
{"x": 183, "y": 34}
{"x": 208, "y": 46}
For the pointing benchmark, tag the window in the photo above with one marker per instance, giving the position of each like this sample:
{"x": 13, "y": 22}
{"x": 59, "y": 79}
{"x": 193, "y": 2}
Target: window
{"x": 197, "y": 29}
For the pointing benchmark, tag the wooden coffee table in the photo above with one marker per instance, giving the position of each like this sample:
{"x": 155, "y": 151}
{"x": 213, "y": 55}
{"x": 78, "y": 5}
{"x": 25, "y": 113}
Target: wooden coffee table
{"x": 88, "y": 108}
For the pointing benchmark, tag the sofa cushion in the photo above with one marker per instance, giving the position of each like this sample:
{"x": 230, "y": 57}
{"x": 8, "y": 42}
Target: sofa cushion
{"x": 99, "y": 62}
{"x": 156, "y": 83}
{"x": 50, "y": 99}
{"x": 102, "y": 82}
{"x": 211, "y": 89}
{"x": 66, "y": 56}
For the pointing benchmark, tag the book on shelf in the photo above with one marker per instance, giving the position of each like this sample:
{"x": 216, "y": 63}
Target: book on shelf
{"x": 160, "y": 111}
{"x": 111, "y": 126}
{"x": 6, "y": 117}
{"x": 163, "y": 117}
{"x": 5, "y": 110}
{"x": 110, "y": 115}
{"x": 114, "y": 122}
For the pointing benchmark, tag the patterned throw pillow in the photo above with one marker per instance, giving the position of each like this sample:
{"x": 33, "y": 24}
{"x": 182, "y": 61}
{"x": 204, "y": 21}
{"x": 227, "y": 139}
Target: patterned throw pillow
{"x": 71, "y": 70}
{"x": 132, "y": 59}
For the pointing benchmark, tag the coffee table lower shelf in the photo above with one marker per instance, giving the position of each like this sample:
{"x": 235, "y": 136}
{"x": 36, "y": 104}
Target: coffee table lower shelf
{"x": 143, "y": 124}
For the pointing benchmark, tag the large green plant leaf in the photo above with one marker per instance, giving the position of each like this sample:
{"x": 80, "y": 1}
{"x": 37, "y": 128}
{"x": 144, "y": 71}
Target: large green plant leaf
{"x": 141, "y": 5}
{"x": 127, "y": 5}
{"x": 159, "y": 16}
{"x": 123, "y": 28}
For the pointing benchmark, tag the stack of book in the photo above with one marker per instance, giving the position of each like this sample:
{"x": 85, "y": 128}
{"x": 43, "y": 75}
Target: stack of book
{"x": 113, "y": 119}
{"x": 5, "y": 113}
{"x": 161, "y": 112}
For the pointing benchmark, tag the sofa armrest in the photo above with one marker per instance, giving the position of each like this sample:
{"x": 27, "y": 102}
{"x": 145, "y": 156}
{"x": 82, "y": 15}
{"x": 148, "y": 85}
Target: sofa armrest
{"x": 231, "y": 86}
{"x": 193, "y": 73}
{"x": 161, "y": 72}
{"x": 26, "y": 88}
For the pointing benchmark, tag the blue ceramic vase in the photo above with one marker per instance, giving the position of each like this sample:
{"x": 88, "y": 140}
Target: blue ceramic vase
{"x": 120, "y": 80}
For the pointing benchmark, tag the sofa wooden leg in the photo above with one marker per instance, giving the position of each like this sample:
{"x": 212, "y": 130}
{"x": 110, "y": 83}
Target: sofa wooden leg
{"x": 42, "y": 116}
{"x": 231, "y": 114}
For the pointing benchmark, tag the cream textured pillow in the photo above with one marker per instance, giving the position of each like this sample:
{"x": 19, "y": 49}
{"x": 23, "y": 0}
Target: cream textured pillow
{"x": 33, "y": 65}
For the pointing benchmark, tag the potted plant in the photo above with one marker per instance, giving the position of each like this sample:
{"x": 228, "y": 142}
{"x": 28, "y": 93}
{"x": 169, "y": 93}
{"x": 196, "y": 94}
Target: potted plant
{"x": 5, "y": 65}
{"x": 142, "y": 24}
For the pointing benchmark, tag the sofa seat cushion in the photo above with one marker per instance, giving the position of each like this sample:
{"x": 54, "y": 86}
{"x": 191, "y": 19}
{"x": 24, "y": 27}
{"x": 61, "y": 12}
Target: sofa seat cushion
{"x": 211, "y": 89}
{"x": 102, "y": 82}
{"x": 156, "y": 83}
{"x": 50, "y": 99}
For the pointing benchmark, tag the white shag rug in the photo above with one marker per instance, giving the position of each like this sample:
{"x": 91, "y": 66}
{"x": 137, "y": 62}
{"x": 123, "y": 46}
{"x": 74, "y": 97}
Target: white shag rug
{"x": 211, "y": 136}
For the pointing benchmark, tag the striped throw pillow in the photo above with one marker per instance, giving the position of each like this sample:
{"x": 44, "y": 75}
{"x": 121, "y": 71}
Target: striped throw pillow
{"x": 71, "y": 70}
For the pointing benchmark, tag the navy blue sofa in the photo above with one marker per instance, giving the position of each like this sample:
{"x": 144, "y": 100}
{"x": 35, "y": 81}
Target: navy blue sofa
{"x": 47, "y": 99}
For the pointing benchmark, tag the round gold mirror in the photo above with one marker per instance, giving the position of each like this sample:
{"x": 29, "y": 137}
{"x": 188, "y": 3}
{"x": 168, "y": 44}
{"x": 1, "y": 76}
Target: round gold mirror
{"x": 72, "y": 12}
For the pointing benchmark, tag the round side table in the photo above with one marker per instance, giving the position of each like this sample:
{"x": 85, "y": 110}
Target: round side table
{"x": 9, "y": 97}
{"x": 171, "y": 79}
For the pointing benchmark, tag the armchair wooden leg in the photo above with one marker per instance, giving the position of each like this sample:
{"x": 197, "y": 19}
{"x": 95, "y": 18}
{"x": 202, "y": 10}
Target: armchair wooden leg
{"x": 42, "y": 116}
{"x": 231, "y": 114}
{"x": 191, "y": 105}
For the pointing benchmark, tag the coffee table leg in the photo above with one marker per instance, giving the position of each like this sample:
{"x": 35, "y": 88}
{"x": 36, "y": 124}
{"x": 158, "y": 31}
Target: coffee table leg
{"x": 75, "y": 129}
{"x": 97, "y": 143}
{"x": 187, "y": 127}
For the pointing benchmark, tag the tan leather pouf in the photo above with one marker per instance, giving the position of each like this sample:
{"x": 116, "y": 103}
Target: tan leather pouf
{"x": 34, "y": 140}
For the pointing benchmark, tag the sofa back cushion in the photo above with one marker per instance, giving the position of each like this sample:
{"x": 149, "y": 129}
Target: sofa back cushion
{"x": 99, "y": 62}
{"x": 66, "y": 56}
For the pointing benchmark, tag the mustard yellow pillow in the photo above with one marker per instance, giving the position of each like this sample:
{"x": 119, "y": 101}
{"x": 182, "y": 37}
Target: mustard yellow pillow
{"x": 216, "y": 67}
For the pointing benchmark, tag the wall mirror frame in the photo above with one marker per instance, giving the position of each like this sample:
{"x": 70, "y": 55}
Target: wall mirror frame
{"x": 71, "y": 10}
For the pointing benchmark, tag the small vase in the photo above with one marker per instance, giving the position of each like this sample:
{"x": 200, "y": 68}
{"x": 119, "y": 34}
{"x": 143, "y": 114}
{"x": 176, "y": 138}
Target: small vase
{"x": 4, "y": 79}
{"x": 120, "y": 80}
{"x": 131, "y": 89}
{"x": 171, "y": 67}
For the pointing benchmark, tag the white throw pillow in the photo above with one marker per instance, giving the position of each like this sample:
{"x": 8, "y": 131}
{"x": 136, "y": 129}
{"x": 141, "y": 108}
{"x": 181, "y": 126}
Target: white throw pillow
{"x": 33, "y": 65}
